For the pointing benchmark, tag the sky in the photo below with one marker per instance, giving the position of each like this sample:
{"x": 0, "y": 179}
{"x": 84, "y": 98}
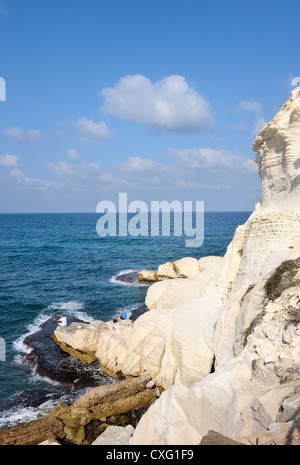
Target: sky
{"x": 158, "y": 99}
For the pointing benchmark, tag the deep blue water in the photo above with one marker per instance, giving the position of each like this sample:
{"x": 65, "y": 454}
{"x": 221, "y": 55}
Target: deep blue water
{"x": 55, "y": 262}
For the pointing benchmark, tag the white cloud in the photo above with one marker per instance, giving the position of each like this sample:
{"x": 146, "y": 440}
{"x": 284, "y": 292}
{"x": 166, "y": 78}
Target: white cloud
{"x": 73, "y": 154}
{"x": 9, "y": 160}
{"x": 31, "y": 183}
{"x": 87, "y": 172}
{"x": 258, "y": 125}
{"x": 183, "y": 184}
{"x": 17, "y": 174}
{"x": 138, "y": 164}
{"x": 17, "y": 134}
{"x": 253, "y": 106}
{"x": 214, "y": 160}
{"x": 166, "y": 105}
{"x": 256, "y": 108}
{"x": 89, "y": 129}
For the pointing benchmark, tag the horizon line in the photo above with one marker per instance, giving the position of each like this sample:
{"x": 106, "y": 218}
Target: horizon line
{"x": 130, "y": 213}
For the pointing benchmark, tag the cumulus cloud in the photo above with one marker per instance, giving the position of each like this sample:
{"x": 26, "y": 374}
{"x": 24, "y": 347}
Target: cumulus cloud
{"x": 73, "y": 154}
{"x": 214, "y": 160}
{"x": 256, "y": 108}
{"x": 29, "y": 136}
{"x": 166, "y": 105}
{"x": 31, "y": 183}
{"x": 253, "y": 106}
{"x": 258, "y": 125}
{"x": 89, "y": 173}
{"x": 91, "y": 130}
{"x": 139, "y": 164}
{"x": 9, "y": 160}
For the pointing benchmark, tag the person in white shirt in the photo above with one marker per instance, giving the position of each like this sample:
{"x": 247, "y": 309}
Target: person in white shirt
{"x": 62, "y": 321}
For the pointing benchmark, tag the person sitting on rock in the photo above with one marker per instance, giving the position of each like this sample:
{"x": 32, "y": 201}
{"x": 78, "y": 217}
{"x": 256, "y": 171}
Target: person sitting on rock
{"x": 62, "y": 321}
{"x": 122, "y": 316}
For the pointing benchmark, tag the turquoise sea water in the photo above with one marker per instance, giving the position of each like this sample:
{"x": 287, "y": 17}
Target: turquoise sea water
{"x": 51, "y": 263}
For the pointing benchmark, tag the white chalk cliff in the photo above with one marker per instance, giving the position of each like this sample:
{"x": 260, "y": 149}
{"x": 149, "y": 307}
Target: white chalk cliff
{"x": 193, "y": 340}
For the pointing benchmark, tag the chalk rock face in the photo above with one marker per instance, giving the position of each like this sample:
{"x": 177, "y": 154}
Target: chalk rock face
{"x": 278, "y": 147}
{"x": 115, "y": 435}
{"x": 250, "y": 383}
{"x": 147, "y": 275}
{"x": 81, "y": 336}
{"x": 166, "y": 271}
{"x": 186, "y": 267}
{"x": 207, "y": 262}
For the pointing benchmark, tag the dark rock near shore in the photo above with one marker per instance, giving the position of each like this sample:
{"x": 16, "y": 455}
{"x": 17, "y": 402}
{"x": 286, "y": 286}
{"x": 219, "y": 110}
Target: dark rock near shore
{"x": 74, "y": 376}
{"x": 51, "y": 362}
{"x": 132, "y": 278}
{"x": 137, "y": 312}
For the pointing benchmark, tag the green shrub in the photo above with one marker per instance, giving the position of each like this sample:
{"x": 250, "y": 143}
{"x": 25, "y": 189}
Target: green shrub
{"x": 281, "y": 279}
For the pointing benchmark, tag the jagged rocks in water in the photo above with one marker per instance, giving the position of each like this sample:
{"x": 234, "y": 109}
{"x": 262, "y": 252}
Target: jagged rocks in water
{"x": 132, "y": 278}
{"x": 51, "y": 362}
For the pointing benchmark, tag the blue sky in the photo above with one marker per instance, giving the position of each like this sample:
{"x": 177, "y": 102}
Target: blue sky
{"x": 160, "y": 99}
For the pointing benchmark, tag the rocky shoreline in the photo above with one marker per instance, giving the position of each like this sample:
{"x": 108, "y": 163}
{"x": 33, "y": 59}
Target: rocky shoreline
{"x": 74, "y": 371}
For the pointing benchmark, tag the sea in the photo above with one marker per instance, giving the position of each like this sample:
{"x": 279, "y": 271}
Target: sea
{"x": 57, "y": 263}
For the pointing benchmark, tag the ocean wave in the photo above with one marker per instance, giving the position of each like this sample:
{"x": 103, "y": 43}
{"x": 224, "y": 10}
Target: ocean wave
{"x": 130, "y": 280}
{"x": 74, "y": 308}
{"x": 16, "y": 415}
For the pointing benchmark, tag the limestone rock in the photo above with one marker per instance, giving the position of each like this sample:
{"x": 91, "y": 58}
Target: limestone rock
{"x": 286, "y": 434}
{"x": 249, "y": 383}
{"x": 115, "y": 435}
{"x": 81, "y": 336}
{"x": 186, "y": 267}
{"x": 212, "y": 438}
{"x": 278, "y": 146}
{"x": 166, "y": 271}
{"x": 49, "y": 442}
{"x": 147, "y": 275}
{"x": 34, "y": 432}
{"x": 207, "y": 262}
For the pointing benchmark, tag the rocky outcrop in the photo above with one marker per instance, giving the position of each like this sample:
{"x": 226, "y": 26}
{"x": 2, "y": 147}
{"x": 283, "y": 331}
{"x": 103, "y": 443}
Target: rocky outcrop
{"x": 92, "y": 413}
{"x": 147, "y": 275}
{"x": 212, "y": 438}
{"x": 186, "y": 267}
{"x": 59, "y": 366}
{"x": 255, "y": 342}
{"x": 33, "y": 432}
{"x": 277, "y": 147}
{"x": 115, "y": 436}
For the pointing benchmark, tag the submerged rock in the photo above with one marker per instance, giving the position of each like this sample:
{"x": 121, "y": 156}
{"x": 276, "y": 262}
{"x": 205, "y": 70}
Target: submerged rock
{"x": 132, "y": 278}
